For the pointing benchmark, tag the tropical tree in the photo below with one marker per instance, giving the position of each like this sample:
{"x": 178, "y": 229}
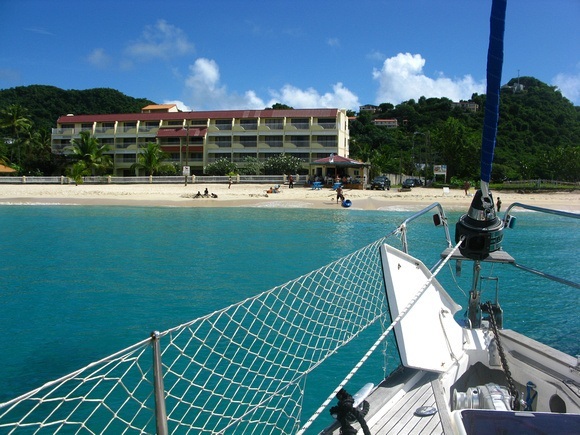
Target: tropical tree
{"x": 458, "y": 147}
{"x": 283, "y": 164}
{"x": 252, "y": 166}
{"x": 151, "y": 159}
{"x": 221, "y": 167}
{"x": 77, "y": 171}
{"x": 87, "y": 149}
{"x": 15, "y": 120}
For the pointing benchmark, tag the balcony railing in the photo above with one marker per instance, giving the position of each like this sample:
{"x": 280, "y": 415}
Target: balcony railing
{"x": 328, "y": 125}
{"x": 104, "y": 130}
{"x": 301, "y": 125}
{"x": 148, "y": 129}
{"x": 63, "y": 131}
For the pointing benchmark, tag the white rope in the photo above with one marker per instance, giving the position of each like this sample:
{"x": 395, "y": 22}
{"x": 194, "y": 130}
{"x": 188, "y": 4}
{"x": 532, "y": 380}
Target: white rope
{"x": 382, "y": 337}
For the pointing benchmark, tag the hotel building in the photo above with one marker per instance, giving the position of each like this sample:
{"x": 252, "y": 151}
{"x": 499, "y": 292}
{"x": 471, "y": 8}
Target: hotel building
{"x": 196, "y": 139}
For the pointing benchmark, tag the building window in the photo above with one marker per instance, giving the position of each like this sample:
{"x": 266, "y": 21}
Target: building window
{"x": 223, "y": 124}
{"x": 300, "y": 123}
{"x": 175, "y": 123}
{"x": 327, "y": 141}
{"x": 327, "y": 123}
{"x": 223, "y": 142}
{"x": 249, "y": 124}
{"x": 275, "y": 123}
{"x": 128, "y": 141}
{"x": 249, "y": 141}
{"x": 300, "y": 141}
{"x": 129, "y": 126}
{"x": 274, "y": 141}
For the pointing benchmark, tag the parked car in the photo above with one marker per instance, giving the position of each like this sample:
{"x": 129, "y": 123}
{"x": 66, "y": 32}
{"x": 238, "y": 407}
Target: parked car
{"x": 381, "y": 182}
{"x": 412, "y": 182}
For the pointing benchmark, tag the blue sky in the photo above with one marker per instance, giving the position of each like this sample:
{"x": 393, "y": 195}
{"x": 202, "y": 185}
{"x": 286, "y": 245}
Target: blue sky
{"x": 237, "y": 54}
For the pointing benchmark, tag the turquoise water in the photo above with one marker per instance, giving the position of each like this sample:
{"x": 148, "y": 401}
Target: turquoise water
{"x": 79, "y": 283}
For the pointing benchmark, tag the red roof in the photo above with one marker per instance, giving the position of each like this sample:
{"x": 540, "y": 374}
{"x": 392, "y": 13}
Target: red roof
{"x": 215, "y": 114}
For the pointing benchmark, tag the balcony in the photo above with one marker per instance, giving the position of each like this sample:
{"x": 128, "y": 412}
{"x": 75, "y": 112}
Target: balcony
{"x": 127, "y": 130}
{"x": 327, "y": 125}
{"x": 148, "y": 129}
{"x": 126, "y": 146}
{"x": 63, "y": 131}
{"x": 105, "y": 131}
{"x": 298, "y": 126}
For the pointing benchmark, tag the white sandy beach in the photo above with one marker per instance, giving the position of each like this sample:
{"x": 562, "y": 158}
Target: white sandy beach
{"x": 254, "y": 195}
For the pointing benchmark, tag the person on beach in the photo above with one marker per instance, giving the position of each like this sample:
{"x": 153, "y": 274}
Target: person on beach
{"x": 466, "y": 187}
{"x": 498, "y": 204}
{"x": 290, "y": 182}
{"x": 229, "y": 182}
{"x": 339, "y": 195}
{"x": 206, "y": 193}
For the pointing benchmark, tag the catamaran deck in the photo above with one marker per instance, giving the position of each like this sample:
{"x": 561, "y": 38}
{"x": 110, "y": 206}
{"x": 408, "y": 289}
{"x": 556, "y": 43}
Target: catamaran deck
{"x": 393, "y": 411}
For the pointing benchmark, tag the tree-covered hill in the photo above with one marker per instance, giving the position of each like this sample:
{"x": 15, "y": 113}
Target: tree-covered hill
{"x": 538, "y": 135}
{"x": 46, "y": 103}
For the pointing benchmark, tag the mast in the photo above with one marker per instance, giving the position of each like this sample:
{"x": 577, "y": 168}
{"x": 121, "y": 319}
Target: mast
{"x": 480, "y": 228}
{"x": 494, "y": 69}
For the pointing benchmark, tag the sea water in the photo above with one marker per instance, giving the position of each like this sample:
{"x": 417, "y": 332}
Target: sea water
{"x": 79, "y": 283}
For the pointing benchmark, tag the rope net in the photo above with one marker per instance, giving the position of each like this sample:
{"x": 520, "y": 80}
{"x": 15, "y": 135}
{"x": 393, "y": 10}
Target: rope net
{"x": 241, "y": 369}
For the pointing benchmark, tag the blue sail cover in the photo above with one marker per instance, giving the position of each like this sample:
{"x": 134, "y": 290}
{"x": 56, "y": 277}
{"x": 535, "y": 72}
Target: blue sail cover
{"x": 494, "y": 67}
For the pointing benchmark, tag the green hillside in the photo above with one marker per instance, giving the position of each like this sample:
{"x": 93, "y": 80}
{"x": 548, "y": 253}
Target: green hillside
{"x": 46, "y": 103}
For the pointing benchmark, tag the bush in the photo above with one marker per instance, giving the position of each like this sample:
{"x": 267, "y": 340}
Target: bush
{"x": 221, "y": 167}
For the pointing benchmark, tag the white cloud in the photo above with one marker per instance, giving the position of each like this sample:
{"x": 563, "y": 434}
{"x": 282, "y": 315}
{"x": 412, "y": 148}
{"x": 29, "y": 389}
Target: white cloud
{"x": 340, "y": 97}
{"x": 180, "y": 105}
{"x": 569, "y": 85}
{"x": 401, "y": 78}
{"x": 39, "y": 30}
{"x": 99, "y": 58}
{"x": 333, "y": 42}
{"x": 375, "y": 55}
{"x": 161, "y": 41}
{"x": 207, "y": 92}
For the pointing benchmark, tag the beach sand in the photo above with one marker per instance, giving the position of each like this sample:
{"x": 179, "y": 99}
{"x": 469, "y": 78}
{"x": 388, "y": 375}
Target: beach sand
{"x": 254, "y": 195}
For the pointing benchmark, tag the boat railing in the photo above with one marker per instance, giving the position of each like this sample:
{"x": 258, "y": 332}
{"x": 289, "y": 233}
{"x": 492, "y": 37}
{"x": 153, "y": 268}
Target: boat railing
{"x": 439, "y": 220}
{"x": 509, "y": 222}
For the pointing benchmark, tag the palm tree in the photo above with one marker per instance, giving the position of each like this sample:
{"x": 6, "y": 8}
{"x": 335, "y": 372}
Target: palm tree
{"x": 77, "y": 171}
{"x": 87, "y": 149}
{"x": 150, "y": 159}
{"x": 15, "y": 119}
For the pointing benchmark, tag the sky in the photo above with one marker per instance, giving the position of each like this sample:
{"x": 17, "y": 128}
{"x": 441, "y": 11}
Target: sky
{"x": 250, "y": 54}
